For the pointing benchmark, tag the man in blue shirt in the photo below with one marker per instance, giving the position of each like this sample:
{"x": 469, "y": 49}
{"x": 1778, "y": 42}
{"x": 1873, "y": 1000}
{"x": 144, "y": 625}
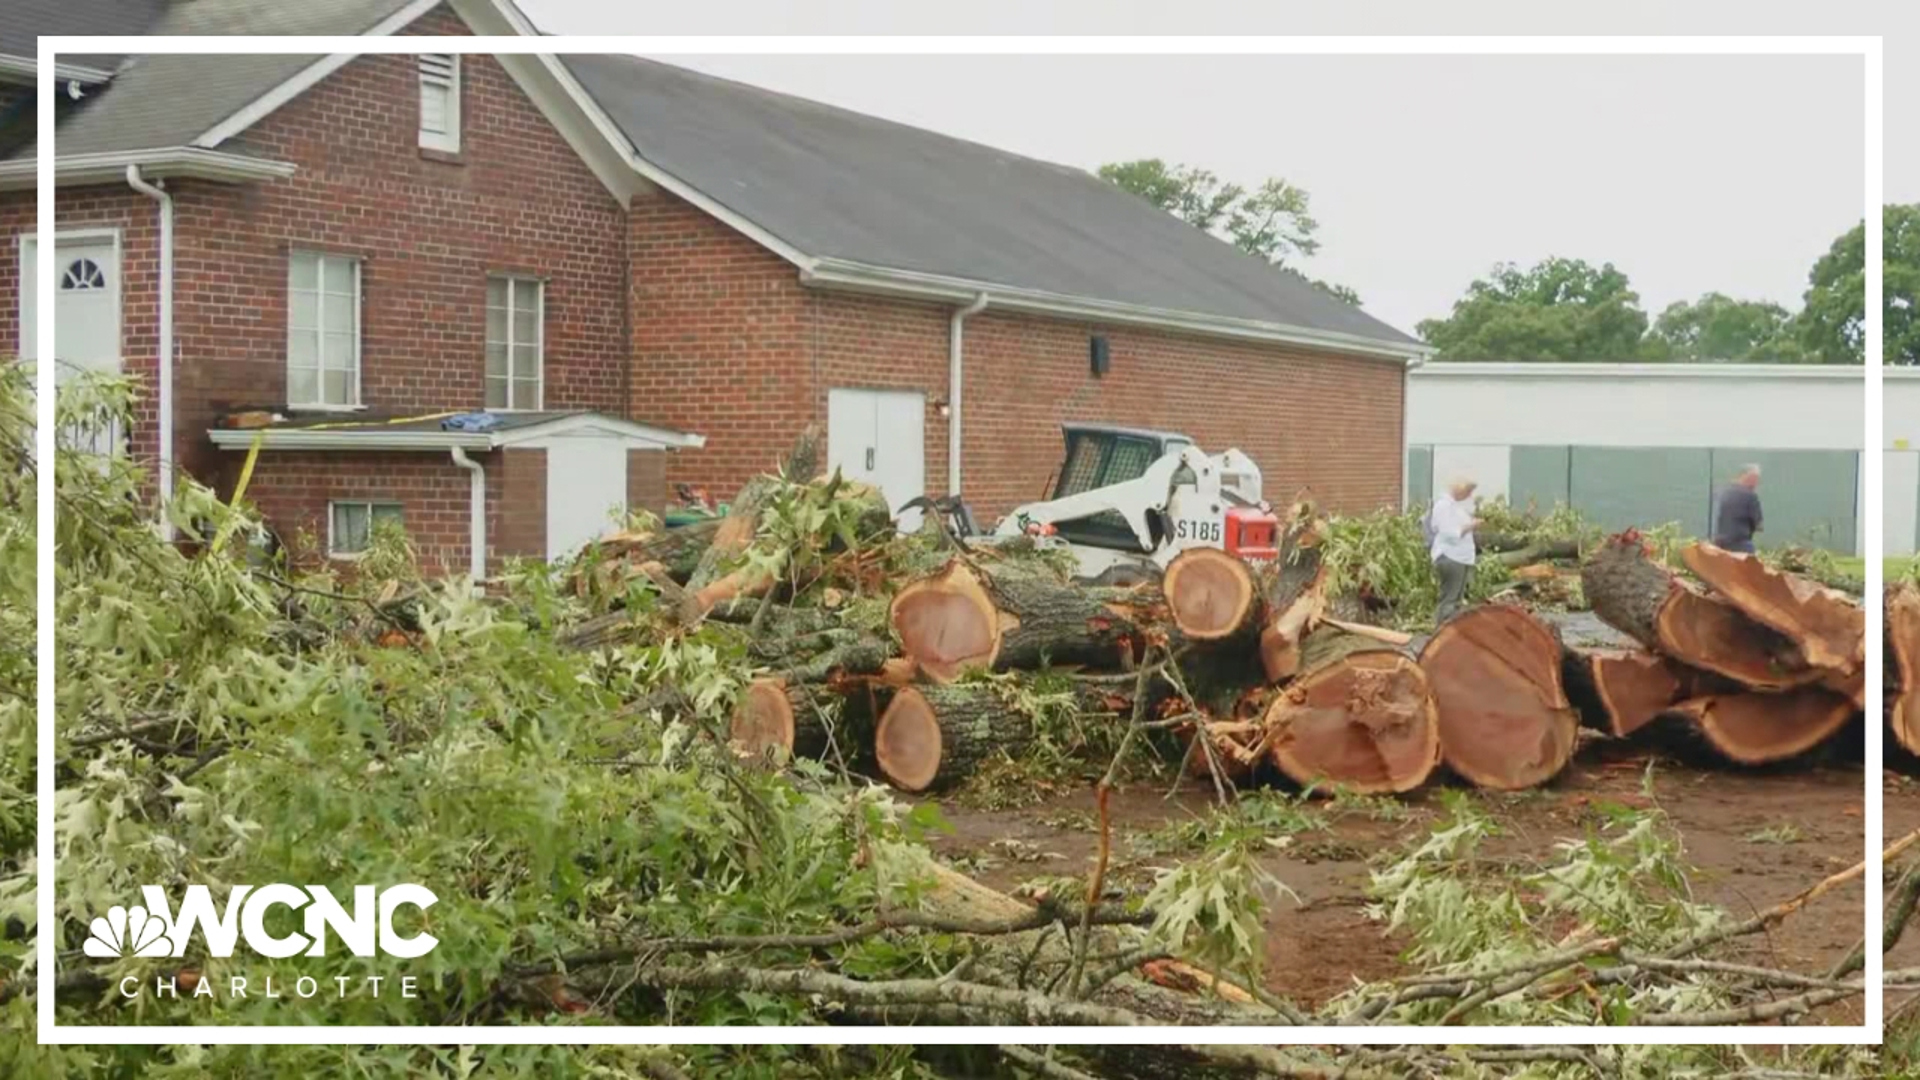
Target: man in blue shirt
{"x": 1736, "y": 515}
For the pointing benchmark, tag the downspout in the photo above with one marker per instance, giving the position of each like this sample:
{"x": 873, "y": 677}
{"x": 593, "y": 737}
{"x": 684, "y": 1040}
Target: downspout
{"x": 476, "y": 515}
{"x": 1406, "y": 446}
{"x": 166, "y": 342}
{"x": 954, "y": 350}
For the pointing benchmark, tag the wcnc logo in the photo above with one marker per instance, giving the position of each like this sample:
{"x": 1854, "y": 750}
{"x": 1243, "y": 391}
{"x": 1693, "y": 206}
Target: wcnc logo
{"x": 155, "y": 930}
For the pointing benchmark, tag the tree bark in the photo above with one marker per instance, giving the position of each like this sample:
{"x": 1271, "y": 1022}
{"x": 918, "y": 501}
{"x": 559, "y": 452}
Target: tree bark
{"x": 1620, "y": 691}
{"x": 1544, "y": 551}
{"x": 1826, "y": 626}
{"x": 933, "y": 736}
{"x": 1902, "y": 665}
{"x": 1360, "y": 714}
{"x": 1755, "y": 728}
{"x": 784, "y": 715}
{"x": 1295, "y": 592}
{"x": 1001, "y": 617}
{"x": 1645, "y": 601}
{"x": 1505, "y": 721}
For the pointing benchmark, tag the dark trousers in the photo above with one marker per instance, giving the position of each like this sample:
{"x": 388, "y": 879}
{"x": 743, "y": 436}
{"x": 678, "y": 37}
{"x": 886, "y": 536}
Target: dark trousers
{"x": 1453, "y": 586}
{"x": 1745, "y": 546}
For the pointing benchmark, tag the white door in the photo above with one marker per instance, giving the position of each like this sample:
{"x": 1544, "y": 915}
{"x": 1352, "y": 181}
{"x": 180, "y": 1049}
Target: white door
{"x": 86, "y": 306}
{"x": 879, "y": 437}
{"x": 586, "y": 492}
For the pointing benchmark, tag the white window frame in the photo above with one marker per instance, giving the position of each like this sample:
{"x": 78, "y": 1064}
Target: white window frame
{"x": 515, "y": 282}
{"x": 447, "y": 140}
{"x": 333, "y": 505}
{"x": 352, "y": 404}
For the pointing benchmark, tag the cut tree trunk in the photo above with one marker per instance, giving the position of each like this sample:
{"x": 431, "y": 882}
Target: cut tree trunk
{"x": 1902, "y": 664}
{"x": 933, "y": 736}
{"x": 1003, "y": 617}
{"x": 1754, "y": 728}
{"x": 1505, "y": 721}
{"x": 1360, "y": 715}
{"x": 776, "y": 721}
{"x": 1211, "y": 594}
{"x": 1620, "y": 691}
{"x": 1645, "y": 601}
{"x": 1295, "y": 590}
{"x": 1826, "y": 626}
{"x": 1545, "y": 551}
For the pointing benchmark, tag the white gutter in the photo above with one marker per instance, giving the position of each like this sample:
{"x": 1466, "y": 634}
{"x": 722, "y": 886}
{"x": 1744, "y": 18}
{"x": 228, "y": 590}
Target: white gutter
{"x": 1651, "y": 370}
{"x": 860, "y": 277}
{"x": 166, "y": 342}
{"x": 476, "y": 516}
{"x": 26, "y": 69}
{"x": 954, "y": 364}
{"x": 182, "y": 161}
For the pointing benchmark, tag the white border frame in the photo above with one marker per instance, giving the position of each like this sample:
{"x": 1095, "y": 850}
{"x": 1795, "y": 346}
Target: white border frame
{"x": 1867, "y": 47}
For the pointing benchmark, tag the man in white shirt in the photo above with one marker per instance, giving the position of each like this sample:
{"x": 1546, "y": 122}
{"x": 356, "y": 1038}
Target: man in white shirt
{"x": 1450, "y": 526}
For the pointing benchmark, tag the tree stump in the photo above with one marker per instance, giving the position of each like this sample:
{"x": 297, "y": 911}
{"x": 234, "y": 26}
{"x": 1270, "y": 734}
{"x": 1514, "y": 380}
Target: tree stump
{"x": 776, "y": 721}
{"x": 1505, "y": 721}
{"x": 1360, "y": 714}
{"x": 932, "y": 736}
{"x": 1902, "y": 666}
{"x": 1643, "y": 600}
{"x": 1826, "y": 626}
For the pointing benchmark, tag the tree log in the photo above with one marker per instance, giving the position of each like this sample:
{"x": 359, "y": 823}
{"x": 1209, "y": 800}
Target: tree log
{"x": 1505, "y": 721}
{"x": 1645, "y": 601}
{"x": 932, "y": 736}
{"x": 1544, "y": 551}
{"x": 1902, "y": 665}
{"x": 1295, "y": 591}
{"x": 776, "y": 721}
{"x": 1754, "y": 728}
{"x": 1620, "y": 691}
{"x": 1826, "y": 626}
{"x": 1359, "y": 714}
{"x": 1211, "y": 594}
{"x": 1004, "y": 617}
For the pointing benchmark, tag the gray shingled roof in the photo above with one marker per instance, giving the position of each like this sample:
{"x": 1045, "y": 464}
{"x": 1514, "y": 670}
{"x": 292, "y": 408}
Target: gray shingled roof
{"x": 838, "y": 184}
{"x": 27, "y": 20}
{"x": 171, "y": 100}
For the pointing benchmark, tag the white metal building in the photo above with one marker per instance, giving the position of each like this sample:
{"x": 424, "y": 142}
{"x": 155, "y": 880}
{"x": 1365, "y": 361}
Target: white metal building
{"x": 1645, "y": 444}
{"x": 1900, "y": 514}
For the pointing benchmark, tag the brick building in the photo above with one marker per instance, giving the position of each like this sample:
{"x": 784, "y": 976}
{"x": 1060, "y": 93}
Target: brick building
{"x": 648, "y": 274}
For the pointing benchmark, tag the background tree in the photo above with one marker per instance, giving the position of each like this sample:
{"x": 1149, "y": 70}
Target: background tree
{"x": 1273, "y": 222}
{"x": 1901, "y": 267}
{"x": 1560, "y": 309}
{"x": 1718, "y": 327}
{"x": 1832, "y": 324}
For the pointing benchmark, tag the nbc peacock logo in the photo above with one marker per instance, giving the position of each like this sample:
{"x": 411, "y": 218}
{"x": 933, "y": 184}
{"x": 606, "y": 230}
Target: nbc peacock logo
{"x": 122, "y": 932}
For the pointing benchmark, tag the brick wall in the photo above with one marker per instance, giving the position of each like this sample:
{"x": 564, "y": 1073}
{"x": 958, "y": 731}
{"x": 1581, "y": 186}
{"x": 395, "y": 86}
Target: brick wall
{"x": 727, "y": 343}
{"x": 293, "y": 488}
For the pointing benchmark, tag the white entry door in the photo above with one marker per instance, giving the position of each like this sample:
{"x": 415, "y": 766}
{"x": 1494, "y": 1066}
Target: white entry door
{"x": 879, "y": 437}
{"x": 86, "y": 304}
{"x": 586, "y": 492}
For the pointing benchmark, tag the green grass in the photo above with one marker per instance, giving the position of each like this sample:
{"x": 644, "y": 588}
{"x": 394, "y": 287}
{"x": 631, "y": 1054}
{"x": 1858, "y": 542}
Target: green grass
{"x": 1856, "y": 565}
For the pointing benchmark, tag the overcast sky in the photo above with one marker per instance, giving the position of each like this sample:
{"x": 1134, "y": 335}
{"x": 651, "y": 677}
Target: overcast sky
{"x": 1692, "y": 174}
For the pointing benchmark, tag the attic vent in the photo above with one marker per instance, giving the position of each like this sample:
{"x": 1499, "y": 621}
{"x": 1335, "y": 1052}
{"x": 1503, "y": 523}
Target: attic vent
{"x": 440, "y": 101}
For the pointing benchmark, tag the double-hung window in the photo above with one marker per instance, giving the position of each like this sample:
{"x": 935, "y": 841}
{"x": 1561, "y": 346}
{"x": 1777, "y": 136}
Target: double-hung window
{"x": 323, "y": 330}
{"x": 440, "y": 101}
{"x": 515, "y": 342}
{"x": 350, "y": 525}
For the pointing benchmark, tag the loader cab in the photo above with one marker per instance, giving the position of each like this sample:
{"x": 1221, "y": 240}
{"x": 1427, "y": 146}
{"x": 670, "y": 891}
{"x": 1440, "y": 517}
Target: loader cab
{"x": 1098, "y": 456}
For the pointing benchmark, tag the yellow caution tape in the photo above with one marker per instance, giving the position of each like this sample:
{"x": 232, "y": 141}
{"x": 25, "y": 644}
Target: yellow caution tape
{"x": 240, "y": 489}
{"x": 377, "y": 423}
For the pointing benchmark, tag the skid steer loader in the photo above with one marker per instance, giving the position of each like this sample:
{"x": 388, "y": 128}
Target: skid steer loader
{"x": 1125, "y": 501}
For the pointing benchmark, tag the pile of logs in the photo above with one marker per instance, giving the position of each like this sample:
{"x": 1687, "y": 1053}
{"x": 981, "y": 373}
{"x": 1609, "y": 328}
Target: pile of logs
{"x": 1249, "y": 667}
{"x": 1760, "y": 664}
